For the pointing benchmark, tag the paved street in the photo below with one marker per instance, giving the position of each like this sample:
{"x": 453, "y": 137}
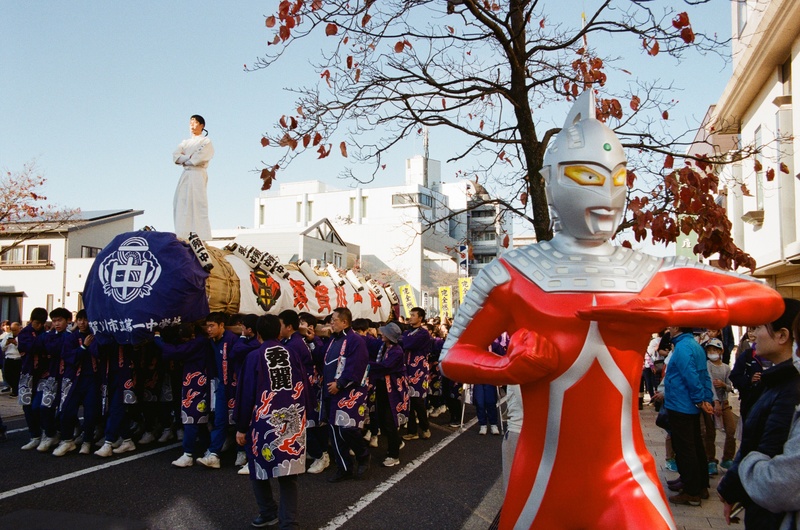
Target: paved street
{"x": 448, "y": 482}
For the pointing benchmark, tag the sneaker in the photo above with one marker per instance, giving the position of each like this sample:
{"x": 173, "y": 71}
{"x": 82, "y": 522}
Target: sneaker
{"x": 373, "y": 441}
{"x": 166, "y": 436}
{"x": 210, "y": 460}
{"x": 47, "y": 443}
{"x": 261, "y": 522}
{"x": 425, "y": 434}
{"x": 726, "y": 464}
{"x": 455, "y": 425}
{"x": 409, "y": 436}
{"x": 125, "y": 447}
{"x": 433, "y": 412}
{"x": 320, "y": 464}
{"x": 67, "y": 446}
{"x": 105, "y": 451}
{"x": 712, "y": 469}
{"x": 86, "y": 448}
{"x": 441, "y": 410}
{"x": 33, "y": 444}
{"x": 184, "y": 461}
{"x": 147, "y": 438}
{"x": 241, "y": 459}
{"x": 391, "y": 462}
{"x": 671, "y": 465}
{"x": 685, "y": 499}
{"x": 483, "y": 430}
{"x": 494, "y": 429}
{"x": 244, "y": 470}
{"x": 430, "y": 411}
{"x": 368, "y": 435}
{"x": 117, "y": 443}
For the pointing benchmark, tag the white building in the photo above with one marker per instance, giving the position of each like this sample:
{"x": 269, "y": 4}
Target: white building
{"x": 50, "y": 269}
{"x": 757, "y": 109}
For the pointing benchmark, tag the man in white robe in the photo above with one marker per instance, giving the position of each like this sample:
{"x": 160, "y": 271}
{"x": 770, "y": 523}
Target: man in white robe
{"x": 190, "y": 205}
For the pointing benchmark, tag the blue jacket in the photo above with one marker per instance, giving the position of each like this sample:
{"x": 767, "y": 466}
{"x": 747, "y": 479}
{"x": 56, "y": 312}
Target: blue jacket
{"x": 687, "y": 382}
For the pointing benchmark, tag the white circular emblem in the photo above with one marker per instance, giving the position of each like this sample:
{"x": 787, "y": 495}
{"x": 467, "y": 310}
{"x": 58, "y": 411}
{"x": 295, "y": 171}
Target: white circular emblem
{"x": 130, "y": 272}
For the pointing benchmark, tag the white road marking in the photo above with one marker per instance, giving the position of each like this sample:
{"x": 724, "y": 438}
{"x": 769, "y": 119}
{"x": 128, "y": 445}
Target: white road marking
{"x": 75, "y": 474}
{"x": 382, "y": 488}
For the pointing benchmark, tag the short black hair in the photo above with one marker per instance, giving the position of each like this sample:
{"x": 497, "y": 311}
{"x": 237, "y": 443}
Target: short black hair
{"x": 199, "y": 119}
{"x": 61, "y": 312}
{"x": 81, "y": 314}
{"x": 361, "y": 324}
{"x": 39, "y": 314}
{"x": 419, "y": 311}
{"x": 217, "y": 317}
{"x": 268, "y": 327}
{"x": 290, "y": 318}
{"x": 308, "y": 318}
{"x": 790, "y": 312}
{"x": 250, "y": 321}
{"x": 344, "y": 314}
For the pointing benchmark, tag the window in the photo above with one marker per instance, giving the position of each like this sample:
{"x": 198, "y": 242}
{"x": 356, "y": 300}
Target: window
{"x": 758, "y": 144}
{"x": 337, "y": 260}
{"x": 483, "y": 236}
{"x": 309, "y": 211}
{"x": 90, "y": 252}
{"x": 352, "y": 207}
{"x": 483, "y": 213}
{"x": 363, "y": 206}
{"x": 26, "y": 255}
{"x": 14, "y": 256}
{"x": 261, "y": 213}
{"x": 299, "y": 212}
{"x": 400, "y": 199}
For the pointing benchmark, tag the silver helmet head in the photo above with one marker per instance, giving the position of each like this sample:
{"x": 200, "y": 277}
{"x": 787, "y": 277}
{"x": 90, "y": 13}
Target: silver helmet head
{"x": 585, "y": 175}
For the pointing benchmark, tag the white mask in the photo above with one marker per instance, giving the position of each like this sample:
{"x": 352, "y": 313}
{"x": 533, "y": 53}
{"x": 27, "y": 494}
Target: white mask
{"x": 713, "y": 357}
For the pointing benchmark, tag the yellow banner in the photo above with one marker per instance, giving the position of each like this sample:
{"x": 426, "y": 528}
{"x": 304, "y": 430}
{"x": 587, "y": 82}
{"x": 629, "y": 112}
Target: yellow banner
{"x": 446, "y": 301}
{"x": 463, "y": 286}
{"x": 407, "y": 297}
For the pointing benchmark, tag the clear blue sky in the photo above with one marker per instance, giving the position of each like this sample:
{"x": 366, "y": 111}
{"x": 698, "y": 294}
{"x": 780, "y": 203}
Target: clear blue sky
{"x": 100, "y": 94}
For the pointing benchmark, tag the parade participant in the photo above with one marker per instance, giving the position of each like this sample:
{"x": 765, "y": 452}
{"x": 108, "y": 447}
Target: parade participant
{"x": 416, "y": 342}
{"x": 31, "y": 372}
{"x": 12, "y": 365}
{"x": 79, "y": 387}
{"x": 270, "y": 420}
{"x": 767, "y": 427}
{"x": 317, "y": 447}
{"x": 485, "y": 399}
{"x": 388, "y": 375}
{"x": 687, "y": 394}
{"x": 721, "y": 381}
{"x": 293, "y": 341}
{"x": 580, "y": 312}
{"x": 190, "y": 205}
{"x": 149, "y": 386}
{"x": 344, "y": 395}
{"x": 47, "y": 398}
{"x": 436, "y": 397}
{"x": 241, "y": 348}
{"x": 196, "y": 356}
{"x": 374, "y": 344}
{"x": 746, "y": 374}
{"x": 224, "y": 385}
{"x": 118, "y": 381}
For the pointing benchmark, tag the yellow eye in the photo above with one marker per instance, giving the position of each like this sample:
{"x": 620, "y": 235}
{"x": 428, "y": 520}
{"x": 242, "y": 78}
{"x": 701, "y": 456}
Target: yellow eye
{"x": 620, "y": 177}
{"x": 585, "y": 176}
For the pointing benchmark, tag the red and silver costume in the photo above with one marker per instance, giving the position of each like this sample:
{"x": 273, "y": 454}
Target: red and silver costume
{"x": 581, "y": 312}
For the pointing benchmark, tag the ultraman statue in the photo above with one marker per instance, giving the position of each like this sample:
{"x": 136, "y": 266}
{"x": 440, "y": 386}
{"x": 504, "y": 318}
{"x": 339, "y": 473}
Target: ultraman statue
{"x": 580, "y": 312}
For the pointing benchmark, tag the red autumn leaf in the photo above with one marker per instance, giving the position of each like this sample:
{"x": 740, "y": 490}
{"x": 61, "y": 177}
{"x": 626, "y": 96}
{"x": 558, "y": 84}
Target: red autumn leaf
{"x": 326, "y": 75}
{"x": 288, "y": 141}
{"x": 349, "y": 61}
{"x": 270, "y": 21}
{"x": 687, "y": 35}
{"x": 343, "y": 149}
{"x": 291, "y": 22}
{"x": 502, "y": 155}
{"x": 784, "y": 168}
{"x": 444, "y": 103}
{"x": 627, "y": 244}
{"x": 297, "y": 7}
{"x": 631, "y": 178}
{"x": 274, "y": 41}
{"x": 323, "y": 152}
{"x": 283, "y": 121}
{"x": 317, "y": 139}
{"x": 331, "y": 29}
{"x": 541, "y": 24}
{"x": 481, "y": 125}
{"x": 575, "y": 90}
{"x": 306, "y": 140}
{"x": 651, "y": 50}
{"x": 284, "y": 33}
{"x": 345, "y": 40}
{"x": 365, "y": 20}
{"x": 383, "y": 166}
{"x": 681, "y": 21}
{"x": 267, "y": 175}
{"x": 300, "y": 112}
{"x": 665, "y": 115}
{"x": 757, "y": 165}
{"x": 669, "y": 161}
{"x": 505, "y": 241}
{"x": 264, "y": 141}
{"x": 398, "y": 48}
{"x": 523, "y": 198}
{"x": 292, "y": 123}
{"x": 316, "y": 4}
{"x": 450, "y": 29}
{"x": 358, "y": 74}
{"x": 745, "y": 191}
{"x": 635, "y": 102}
{"x": 770, "y": 175}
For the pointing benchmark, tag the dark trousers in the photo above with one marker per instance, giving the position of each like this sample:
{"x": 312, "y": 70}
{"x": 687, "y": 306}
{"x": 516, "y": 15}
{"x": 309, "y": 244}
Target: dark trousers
{"x": 220, "y": 431}
{"x": 485, "y": 403}
{"x": 117, "y": 421}
{"x": 85, "y": 393}
{"x": 11, "y": 371}
{"x": 345, "y": 439}
{"x": 38, "y": 417}
{"x": 417, "y": 413}
{"x": 649, "y": 382}
{"x": 386, "y": 421}
{"x": 286, "y": 511}
{"x": 317, "y": 441}
{"x": 690, "y": 455}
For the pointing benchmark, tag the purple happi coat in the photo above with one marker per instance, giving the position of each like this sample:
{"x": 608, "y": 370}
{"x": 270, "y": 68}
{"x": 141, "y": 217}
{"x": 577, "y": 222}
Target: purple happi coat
{"x": 299, "y": 348}
{"x": 389, "y": 369}
{"x": 346, "y": 362}
{"x": 196, "y": 357}
{"x": 77, "y": 361}
{"x": 417, "y": 345}
{"x": 270, "y": 410}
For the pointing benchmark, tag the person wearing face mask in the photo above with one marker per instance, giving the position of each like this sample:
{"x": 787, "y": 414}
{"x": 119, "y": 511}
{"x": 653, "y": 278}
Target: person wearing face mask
{"x": 772, "y": 482}
{"x": 721, "y": 383}
{"x": 190, "y": 205}
{"x": 767, "y": 427}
